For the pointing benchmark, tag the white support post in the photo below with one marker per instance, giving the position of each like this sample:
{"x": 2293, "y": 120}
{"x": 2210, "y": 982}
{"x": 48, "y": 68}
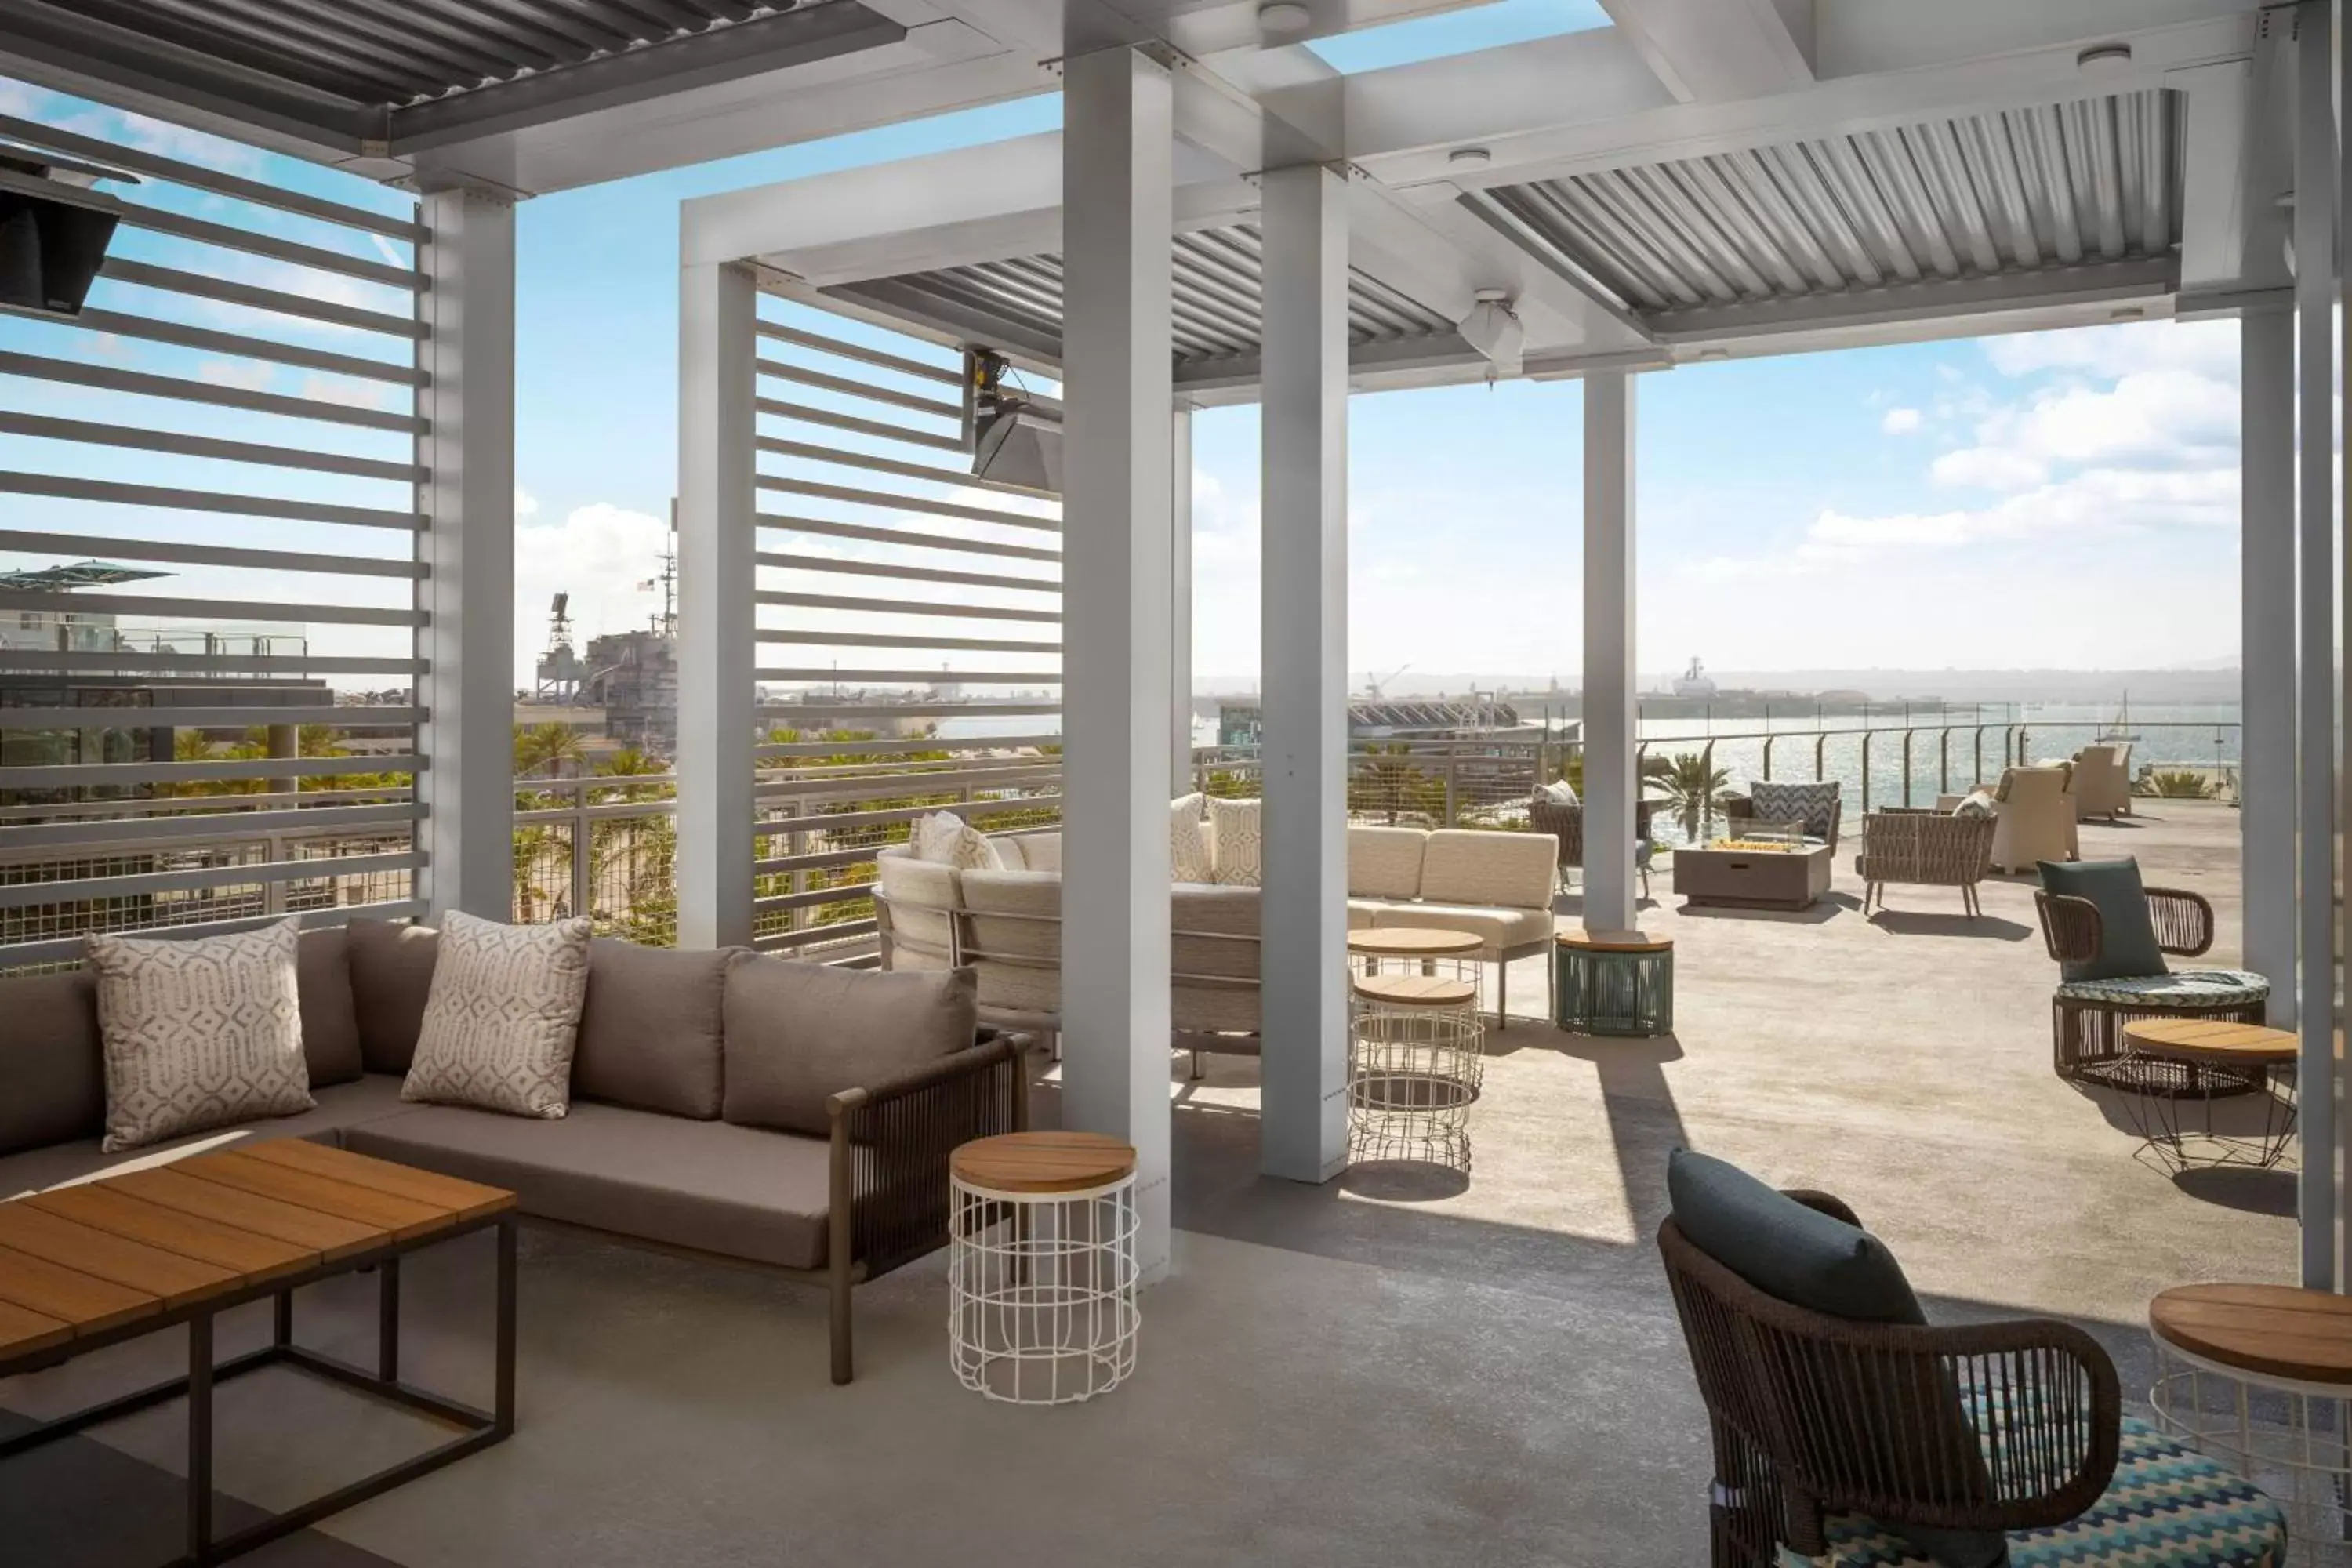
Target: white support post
{"x": 1180, "y": 603}
{"x": 467, "y": 793}
{"x": 717, "y": 618}
{"x": 1117, "y": 197}
{"x": 2266, "y": 777}
{"x": 2315, "y": 299}
{"x": 1609, "y": 710}
{"x": 1303, "y": 918}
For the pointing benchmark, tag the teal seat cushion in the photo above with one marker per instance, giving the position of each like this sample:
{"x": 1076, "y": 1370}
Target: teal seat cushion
{"x": 2184, "y": 988}
{"x": 2128, "y": 931}
{"x": 2168, "y": 1507}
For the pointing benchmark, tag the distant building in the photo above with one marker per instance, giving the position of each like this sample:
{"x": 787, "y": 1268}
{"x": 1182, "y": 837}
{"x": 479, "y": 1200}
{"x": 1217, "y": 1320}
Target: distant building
{"x": 1244, "y": 723}
{"x": 634, "y": 677}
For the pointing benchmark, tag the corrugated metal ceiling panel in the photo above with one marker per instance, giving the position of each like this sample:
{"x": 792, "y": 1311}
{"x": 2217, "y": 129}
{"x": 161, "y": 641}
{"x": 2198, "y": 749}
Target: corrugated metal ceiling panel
{"x": 1217, "y": 277}
{"x": 2093, "y": 180}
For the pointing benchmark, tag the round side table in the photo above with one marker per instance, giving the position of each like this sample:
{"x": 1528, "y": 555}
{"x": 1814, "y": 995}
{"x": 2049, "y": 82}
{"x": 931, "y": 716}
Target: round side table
{"x": 1042, "y": 1270}
{"x": 1415, "y": 1057}
{"x": 1419, "y": 950}
{"x": 1616, "y": 983}
{"x": 2170, "y": 1063}
{"x": 2260, "y": 1376}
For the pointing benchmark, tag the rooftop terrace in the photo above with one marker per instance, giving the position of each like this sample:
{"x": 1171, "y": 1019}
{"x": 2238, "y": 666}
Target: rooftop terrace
{"x": 1375, "y": 1371}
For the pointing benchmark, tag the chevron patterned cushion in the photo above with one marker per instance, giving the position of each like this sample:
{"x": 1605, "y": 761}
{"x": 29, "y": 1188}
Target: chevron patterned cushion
{"x": 2168, "y": 1507}
{"x": 1782, "y": 801}
{"x": 504, "y": 1017}
{"x": 198, "y": 1033}
{"x": 2183, "y": 988}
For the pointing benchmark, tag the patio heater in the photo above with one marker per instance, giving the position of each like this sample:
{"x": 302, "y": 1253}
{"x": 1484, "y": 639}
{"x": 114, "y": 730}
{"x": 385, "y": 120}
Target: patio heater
{"x": 55, "y": 227}
{"x": 1014, "y": 436}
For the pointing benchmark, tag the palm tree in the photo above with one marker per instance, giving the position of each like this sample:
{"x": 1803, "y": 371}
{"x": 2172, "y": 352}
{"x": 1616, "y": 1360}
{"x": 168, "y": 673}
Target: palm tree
{"x": 1690, "y": 786}
{"x": 550, "y": 746}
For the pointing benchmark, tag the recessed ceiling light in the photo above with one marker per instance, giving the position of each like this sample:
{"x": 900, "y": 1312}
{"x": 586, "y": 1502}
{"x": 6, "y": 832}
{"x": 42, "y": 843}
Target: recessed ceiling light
{"x": 2125, "y": 313}
{"x": 1470, "y": 157}
{"x": 2104, "y": 59}
{"x": 1283, "y": 16}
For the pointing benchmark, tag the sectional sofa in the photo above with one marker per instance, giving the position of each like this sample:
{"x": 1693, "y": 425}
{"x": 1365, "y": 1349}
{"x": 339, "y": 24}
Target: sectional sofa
{"x": 1006, "y": 925}
{"x": 646, "y": 1153}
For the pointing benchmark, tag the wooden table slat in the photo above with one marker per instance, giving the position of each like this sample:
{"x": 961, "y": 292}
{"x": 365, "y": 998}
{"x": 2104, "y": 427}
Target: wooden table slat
{"x": 84, "y": 1302}
{"x": 249, "y": 1252}
{"x": 173, "y": 1278}
{"x": 2276, "y": 1330}
{"x": 24, "y": 1332}
{"x": 1042, "y": 1161}
{"x": 1412, "y": 941}
{"x": 1415, "y": 990}
{"x": 330, "y": 1235}
{"x": 403, "y": 1217}
{"x": 465, "y": 1200}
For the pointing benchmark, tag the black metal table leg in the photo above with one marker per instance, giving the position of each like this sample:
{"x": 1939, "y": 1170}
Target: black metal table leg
{"x": 200, "y": 1438}
{"x": 281, "y": 1318}
{"x": 502, "y": 1407}
{"x": 387, "y": 1320}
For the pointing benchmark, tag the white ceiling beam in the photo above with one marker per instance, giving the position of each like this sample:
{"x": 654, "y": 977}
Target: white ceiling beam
{"x": 2213, "y": 196}
{"x": 2123, "y": 290}
{"x": 1868, "y": 37}
{"x": 1705, "y": 51}
{"x": 1575, "y": 79}
{"x": 1969, "y": 86}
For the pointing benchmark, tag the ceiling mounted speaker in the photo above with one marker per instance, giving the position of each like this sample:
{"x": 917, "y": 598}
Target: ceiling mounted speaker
{"x": 1493, "y": 328}
{"x": 55, "y": 227}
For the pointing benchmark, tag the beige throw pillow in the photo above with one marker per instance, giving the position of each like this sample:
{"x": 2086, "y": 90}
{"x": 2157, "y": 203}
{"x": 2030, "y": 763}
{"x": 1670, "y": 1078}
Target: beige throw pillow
{"x": 1188, "y": 842}
{"x": 198, "y": 1033}
{"x": 1240, "y": 838}
{"x": 503, "y": 1018}
{"x": 948, "y": 839}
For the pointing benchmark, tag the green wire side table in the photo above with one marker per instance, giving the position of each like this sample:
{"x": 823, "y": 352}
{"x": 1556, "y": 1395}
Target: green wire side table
{"x": 1616, "y": 983}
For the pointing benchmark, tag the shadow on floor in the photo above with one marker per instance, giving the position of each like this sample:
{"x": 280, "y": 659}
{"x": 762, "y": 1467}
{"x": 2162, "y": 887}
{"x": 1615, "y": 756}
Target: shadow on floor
{"x": 2242, "y": 1188}
{"x": 1909, "y": 923}
{"x": 1828, "y": 907}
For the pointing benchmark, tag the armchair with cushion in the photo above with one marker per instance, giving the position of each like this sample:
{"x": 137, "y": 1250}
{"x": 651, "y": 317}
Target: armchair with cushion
{"x": 2033, "y": 816}
{"x": 2109, "y": 936}
{"x": 1849, "y": 1432}
{"x": 1564, "y": 820}
{"x": 1815, "y": 805}
{"x": 2103, "y": 780}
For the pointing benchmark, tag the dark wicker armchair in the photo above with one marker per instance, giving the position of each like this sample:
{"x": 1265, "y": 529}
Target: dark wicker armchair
{"x": 1565, "y": 822}
{"x": 2087, "y": 1017}
{"x": 1813, "y": 1415}
{"x": 1919, "y": 848}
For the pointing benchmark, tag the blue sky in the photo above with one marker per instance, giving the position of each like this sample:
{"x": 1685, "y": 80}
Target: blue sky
{"x": 2065, "y": 500}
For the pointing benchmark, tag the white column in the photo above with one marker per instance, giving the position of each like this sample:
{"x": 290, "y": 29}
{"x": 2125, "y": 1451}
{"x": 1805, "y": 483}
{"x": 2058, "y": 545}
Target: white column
{"x": 716, "y": 621}
{"x": 1608, "y": 711}
{"x": 2266, "y": 778}
{"x": 469, "y": 686}
{"x": 1117, "y": 199}
{"x": 1179, "y": 603}
{"x": 2314, "y": 247}
{"x": 1302, "y": 914}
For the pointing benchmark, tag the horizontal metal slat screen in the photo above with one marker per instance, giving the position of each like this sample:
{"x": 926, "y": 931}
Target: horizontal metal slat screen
{"x": 936, "y": 684}
{"x": 211, "y": 633}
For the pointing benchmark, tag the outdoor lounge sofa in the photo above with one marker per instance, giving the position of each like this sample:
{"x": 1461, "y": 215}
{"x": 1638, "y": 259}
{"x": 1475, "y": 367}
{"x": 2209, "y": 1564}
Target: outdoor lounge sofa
{"x": 1919, "y": 848}
{"x": 645, "y": 1153}
{"x": 1005, "y": 925}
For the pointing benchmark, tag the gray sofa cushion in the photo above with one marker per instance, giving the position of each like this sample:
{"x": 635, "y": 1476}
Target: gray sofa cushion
{"x": 339, "y": 1106}
{"x": 651, "y": 1036}
{"x": 392, "y": 979}
{"x": 737, "y": 1191}
{"x": 331, "y": 1029}
{"x": 52, "y": 1066}
{"x": 798, "y": 1033}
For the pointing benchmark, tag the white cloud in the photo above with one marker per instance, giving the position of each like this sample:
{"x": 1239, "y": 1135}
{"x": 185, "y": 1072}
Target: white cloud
{"x": 1900, "y": 421}
{"x": 251, "y": 375}
{"x": 525, "y": 503}
{"x": 599, "y": 554}
{"x": 1988, "y": 467}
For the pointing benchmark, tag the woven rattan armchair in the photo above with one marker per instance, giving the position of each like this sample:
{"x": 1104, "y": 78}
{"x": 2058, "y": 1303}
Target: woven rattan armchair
{"x": 1740, "y": 814}
{"x": 1923, "y": 849}
{"x": 2087, "y": 1017}
{"x": 1565, "y": 822}
{"x": 1812, "y": 1415}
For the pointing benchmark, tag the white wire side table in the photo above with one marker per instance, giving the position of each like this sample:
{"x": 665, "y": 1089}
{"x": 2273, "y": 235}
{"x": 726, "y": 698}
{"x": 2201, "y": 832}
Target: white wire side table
{"x": 1042, "y": 1270}
{"x": 1415, "y": 1051}
{"x": 1392, "y": 958}
{"x": 2260, "y": 1378}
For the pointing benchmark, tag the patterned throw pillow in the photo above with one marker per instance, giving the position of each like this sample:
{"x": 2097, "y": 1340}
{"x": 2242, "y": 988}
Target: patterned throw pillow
{"x": 504, "y": 1017}
{"x": 949, "y": 840}
{"x": 1780, "y": 801}
{"x": 198, "y": 1034}
{"x": 1188, "y": 842}
{"x": 1235, "y": 826}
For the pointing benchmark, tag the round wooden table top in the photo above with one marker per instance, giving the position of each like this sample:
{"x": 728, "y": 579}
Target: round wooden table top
{"x": 1412, "y": 941}
{"x": 2271, "y": 1331}
{"x": 1042, "y": 1162}
{"x": 1616, "y": 940}
{"x": 2214, "y": 1040}
{"x": 1416, "y": 991}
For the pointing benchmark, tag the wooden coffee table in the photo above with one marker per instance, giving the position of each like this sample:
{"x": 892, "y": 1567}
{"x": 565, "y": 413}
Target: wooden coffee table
{"x": 2170, "y": 1063}
{"x": 86, "y": 1267}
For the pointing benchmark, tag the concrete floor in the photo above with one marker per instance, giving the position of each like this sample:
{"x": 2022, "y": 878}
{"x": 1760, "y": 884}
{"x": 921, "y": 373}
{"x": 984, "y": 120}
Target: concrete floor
{"x": 1392, "y": 1369}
